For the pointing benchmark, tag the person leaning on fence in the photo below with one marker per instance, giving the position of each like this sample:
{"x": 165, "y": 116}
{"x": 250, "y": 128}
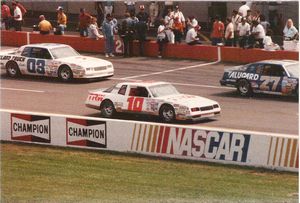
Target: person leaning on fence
{"x": 257, "y": 35}
{"x": 217, "y": 32}
{"x": 290, "y": 32}
{"x": 84, "y": 21}
{"x": 93, "y": 29}
{"x": 229, "y": 33}
{"x": 108, "y": 32}
{"x": 44, "y": 26}
{"x": 6, "y": 17}
{"x": 61, "y": 21}
{"x": 161, "y": 37}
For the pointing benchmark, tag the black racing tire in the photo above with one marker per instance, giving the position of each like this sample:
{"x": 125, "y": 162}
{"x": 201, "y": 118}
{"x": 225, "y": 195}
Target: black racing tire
{"x": 167, "y": 113}
{"x": 107, "y": 109}
{"x": 65, "y": 73}
{"x": 244, "y": 88}
{"x": 12, "y": 69}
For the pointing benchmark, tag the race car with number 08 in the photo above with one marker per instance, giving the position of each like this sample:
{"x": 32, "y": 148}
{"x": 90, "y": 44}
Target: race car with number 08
{"x": 279, "y": 77}
{"x": 53, "y": 60}
{"x": 152, "y": 98}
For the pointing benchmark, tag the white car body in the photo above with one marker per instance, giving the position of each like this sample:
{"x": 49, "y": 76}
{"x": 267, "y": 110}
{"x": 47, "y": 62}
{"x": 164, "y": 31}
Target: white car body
{"x": 186, "y": 107}
{"x": 40, "y": 60}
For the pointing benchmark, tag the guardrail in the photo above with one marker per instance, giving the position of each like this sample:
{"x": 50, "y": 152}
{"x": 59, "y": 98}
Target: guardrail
{"x": 271, "y": 151}
{"x": 201, "y": 52}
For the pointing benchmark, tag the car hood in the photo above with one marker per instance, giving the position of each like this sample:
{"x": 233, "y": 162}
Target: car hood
{"x": 189, "y": 100}
{"x": 85, "y": 61}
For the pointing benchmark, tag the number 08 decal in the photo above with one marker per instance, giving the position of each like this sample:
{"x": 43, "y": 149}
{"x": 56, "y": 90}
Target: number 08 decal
{"x": 36, "y": 66}
{"x": 135, "y": 104}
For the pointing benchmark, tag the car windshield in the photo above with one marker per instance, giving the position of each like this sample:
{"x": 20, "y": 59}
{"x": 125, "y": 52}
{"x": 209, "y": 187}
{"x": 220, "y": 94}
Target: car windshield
{"x": 163, "y": 90}
{"x": 293, "y": 70}
{"x": 63, "y": 52}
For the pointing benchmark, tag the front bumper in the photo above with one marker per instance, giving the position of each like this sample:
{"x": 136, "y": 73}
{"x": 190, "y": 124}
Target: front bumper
{"x": 200, "y": 116}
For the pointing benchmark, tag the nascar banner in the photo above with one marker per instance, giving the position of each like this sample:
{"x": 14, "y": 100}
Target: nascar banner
{"x": 271, "y": 151}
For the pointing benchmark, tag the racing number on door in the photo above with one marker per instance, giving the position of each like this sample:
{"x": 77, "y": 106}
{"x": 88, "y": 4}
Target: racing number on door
{"x": 269, "y": 84}
{"x": 135, "y": 104}
{"x": 36, "y": 66}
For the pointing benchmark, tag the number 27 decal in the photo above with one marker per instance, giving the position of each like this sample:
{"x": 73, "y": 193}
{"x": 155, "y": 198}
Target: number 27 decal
{"x": 135, "y": 104}
{"x": 36, "y": 66}
{"x": 269, "y": 84}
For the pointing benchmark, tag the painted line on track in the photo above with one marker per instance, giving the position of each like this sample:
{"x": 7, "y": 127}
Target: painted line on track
{"x": 172, "y": 70}
{"x": 22, "y": 90}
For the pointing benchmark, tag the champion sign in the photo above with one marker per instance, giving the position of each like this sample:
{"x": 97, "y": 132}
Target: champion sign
{"x": 83, "y": 132}
{"x": 30, "y": 128}
{"x": 190, "y": 142}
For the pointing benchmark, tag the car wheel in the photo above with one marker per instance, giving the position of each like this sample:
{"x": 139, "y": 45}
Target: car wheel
{"x": 167, "y": 113}
{"x": 244, "y": 88}
{"x": 107, "y": 109}
{"x": 65, "y": 73}
{"x": 12, "y": 69}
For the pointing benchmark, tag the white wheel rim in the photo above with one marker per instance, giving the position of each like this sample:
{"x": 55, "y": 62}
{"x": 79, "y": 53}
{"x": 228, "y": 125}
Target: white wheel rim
{"x": 65, "y": 74}
{"x": 168, "y": 114}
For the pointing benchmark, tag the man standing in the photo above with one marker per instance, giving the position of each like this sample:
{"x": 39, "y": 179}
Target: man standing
{"x": 5, "y": 15}
{"x": 243, "y": 9}
{"x": 61, "y": 20}
{"x": 244, "y": 32}
{"x": 84, "y": 21}
{"x": 154, "y": 12}
{"x": 142, "y": 27}
{"x": 229, "y": 33}
{"x": 217, "y": 32}
{"x": 108, "y": 32}
{"x": 177, "y": 13}
{"x": 18, "y": 18}
{"x": 235, "y": 19}
{"x": 44, "y": 26}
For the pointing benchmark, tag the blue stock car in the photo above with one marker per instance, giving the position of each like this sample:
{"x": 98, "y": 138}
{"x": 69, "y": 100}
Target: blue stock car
{"x": 280, "y": 77}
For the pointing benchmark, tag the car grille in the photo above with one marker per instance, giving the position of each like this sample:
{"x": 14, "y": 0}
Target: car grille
{"x": 206, "y": 108}
{"x": 100, "y": 68}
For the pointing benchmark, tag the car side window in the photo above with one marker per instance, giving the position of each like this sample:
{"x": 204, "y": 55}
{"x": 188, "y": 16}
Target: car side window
{"x": 122, "y": 90}
{"x": 266, "y": 70}
{"x": 138, "y": 92}
{"x": 40, "y": 53}
{"x": 277, "y": 71}
{"x": 26, "y": 51}
{"x": 252, "y": 68}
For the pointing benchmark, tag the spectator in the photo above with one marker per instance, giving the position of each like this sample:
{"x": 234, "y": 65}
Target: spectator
{"x": 130, "y": 7}
{"x": 257, "y": 35}
{"x": 249, "y": 17}
{"x": 22, "y": 8}
{"x": 178, "y": 30}
{"x": 141, "y": 27}
{"x": 84, "y": 21}
{"x": 127, "y": 33}
{"x": 61, "y": 21}
{"x": 168, "y": 5}
{"x": 243, "y": 9}
{"x": 243, "y": 33}
{"x": 191, "y": 22}
{"x": 6, "y": 17}
{"x": 290, "y": 32}
{"x": 100, "y": 12}
{"x": 108, "y": 32}
{"x": 217, "y": 32}
{"x": 161, "y": 37}
{"x": 44, "y": 26}
{"x": 131, "y": 20}
{"x": 154, "y": 12}
{"x": 229, "y": 33}
{"x": 235, "y": 19}
{"x": 93, "y": 29}
{"x": 18, "y": 18}
{"x": 268, "y": 43}
{"x": 192, "y": 36}
{"x": 264, "y": 23}
{"x": 108, "y": 7}
{"x": 177, "y": 13}
{"x": 169, "y": 27}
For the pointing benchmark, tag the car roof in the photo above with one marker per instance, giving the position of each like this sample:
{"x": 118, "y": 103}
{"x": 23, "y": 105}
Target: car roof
{"x": 143, "y": 83}
{"x": 280, "y": 62}
{"x": 46, "y": 45}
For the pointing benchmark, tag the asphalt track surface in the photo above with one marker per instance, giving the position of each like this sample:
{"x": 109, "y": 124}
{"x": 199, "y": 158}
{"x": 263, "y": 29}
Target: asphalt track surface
{"x": 262, "y": 113}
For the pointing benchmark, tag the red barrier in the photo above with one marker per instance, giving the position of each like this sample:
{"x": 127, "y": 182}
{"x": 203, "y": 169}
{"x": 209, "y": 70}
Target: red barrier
{"x": 200, "y": 52}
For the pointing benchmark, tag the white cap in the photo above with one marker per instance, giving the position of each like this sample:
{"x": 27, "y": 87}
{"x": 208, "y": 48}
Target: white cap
{"x": 60, "y": 8}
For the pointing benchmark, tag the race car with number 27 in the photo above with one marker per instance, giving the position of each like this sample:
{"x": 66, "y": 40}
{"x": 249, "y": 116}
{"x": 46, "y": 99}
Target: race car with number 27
{"x": 280, "y": 77}
{"x": 53, "y": 60}
{"x": 153, "y": 98}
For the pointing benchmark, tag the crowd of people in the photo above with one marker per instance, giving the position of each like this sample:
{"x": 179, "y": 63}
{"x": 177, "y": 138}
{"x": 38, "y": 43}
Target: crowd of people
{"x": 244, "y": 28}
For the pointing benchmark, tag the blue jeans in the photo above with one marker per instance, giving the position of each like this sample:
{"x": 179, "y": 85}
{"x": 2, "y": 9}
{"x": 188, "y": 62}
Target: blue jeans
{"x": 109, "y": 45}
{"x": 83, "y": 32}
{"x": 215, "y": 41}
{"x": 62, "y": 28}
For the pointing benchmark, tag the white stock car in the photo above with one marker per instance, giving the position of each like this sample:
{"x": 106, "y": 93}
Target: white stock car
{"x": 153, "y": 98}
{"x": 53, "y": 60}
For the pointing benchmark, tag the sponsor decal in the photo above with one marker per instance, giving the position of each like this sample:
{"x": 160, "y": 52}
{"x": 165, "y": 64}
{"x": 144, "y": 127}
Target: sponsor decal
{"x": 190, "y": 143}
{"x": 96, "y": 97}
{"x": 249, "y": 76}
{"x": 30, "y": 128}
{"x": 5, "y": 57}
{"x": 283, "y": 152}
{"x": 83, "y": 132}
